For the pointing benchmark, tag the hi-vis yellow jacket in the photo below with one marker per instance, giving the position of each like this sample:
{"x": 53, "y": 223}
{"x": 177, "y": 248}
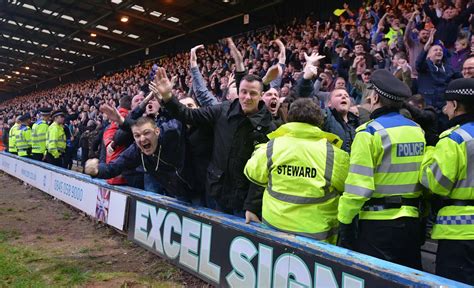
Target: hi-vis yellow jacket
{"x": 385, "y": 161}
{"x": 448, "y": 170}
{"x": 304, "y": 174}
{"x": 38, "y": 136}
{"x": 56, "y": 140}
{"x": 12, "y": 138}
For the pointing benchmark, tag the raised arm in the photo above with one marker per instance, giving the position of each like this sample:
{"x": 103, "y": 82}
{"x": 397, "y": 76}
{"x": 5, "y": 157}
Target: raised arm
{"x": 203, "y": 95}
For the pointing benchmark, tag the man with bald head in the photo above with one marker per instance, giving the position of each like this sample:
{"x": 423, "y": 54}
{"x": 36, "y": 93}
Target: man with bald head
{"x": 468, "y": 68}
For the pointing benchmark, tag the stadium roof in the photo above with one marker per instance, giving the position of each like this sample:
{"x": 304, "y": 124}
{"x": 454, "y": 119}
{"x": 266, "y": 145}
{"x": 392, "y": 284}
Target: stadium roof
{"x": 44, "y": 39}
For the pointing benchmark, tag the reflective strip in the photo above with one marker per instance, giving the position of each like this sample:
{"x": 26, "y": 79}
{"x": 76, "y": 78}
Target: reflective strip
{"x": 301, "y": 200}
{"x": 386, "y": 166}
{"x": 294, "y": 199}
{"x": 361, "y": 170}
{"x": 398, "y": 189}
{"x": 38, "y": 141}
{"x": 464, "y": 135}
{"x": 373, "y": 208}
{"x": 40, "y": 134}
{"x": 455, "y": 220}
{"x": 468, "y": 182}
{"x": 270, "y": 163}
{"x": 55, "y": 141}
{"x": 357, "y": 190}
{"x": 318, "y": 236}
{"x": 438, "y": 175}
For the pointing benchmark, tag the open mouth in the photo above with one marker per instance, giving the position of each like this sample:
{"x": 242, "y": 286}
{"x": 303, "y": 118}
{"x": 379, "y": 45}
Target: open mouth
{"x": 146, "y": 146}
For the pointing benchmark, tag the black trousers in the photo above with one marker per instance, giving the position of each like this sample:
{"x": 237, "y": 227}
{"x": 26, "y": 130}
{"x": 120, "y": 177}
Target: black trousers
{"x": 55, "y": 161}
{"x": 397, "y": 240}
{"x": 455, "y": 260}
{"x": 37, "y": 157}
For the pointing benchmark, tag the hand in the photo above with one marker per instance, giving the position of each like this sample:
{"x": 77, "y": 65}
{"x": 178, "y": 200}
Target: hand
{"x": 251, "y": 217}
{"x": 343, "y": 52}
{"x": 345, "y": 6}
{"x": 272, "y": 73}
{"x": 192, "y": 55}
{"x": 163, "y": 84}
{"x": 314, "y": 58}
{"x": 92, "y": 167}
{"x": 403, "y": 64}
{"x": 309, "y": 71}
{"x": 231, "y": 80}
{"x": 110, "y": 149}
{"x": 347, "y": 236}
{"x": 112, "y": 113}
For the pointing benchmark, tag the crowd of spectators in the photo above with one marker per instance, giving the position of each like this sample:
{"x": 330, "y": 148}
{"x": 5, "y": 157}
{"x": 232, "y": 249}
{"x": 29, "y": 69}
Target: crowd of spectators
{"x": 425, "y": 44}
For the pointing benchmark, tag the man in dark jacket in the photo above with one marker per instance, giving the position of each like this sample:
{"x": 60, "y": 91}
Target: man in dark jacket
{"x": 238, "y": 126}
{"x": 154, "y": 152}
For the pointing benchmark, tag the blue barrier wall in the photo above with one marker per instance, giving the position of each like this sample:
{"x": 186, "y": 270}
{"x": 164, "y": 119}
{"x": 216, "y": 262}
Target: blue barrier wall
{"x": 224, "y": 251}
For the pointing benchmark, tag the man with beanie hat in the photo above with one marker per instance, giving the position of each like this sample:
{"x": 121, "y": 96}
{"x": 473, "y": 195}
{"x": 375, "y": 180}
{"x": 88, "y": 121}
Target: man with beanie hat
{"x": 448, "y": 170}
{"x": 38, "y": 134}
{"x": 382, "y": 190}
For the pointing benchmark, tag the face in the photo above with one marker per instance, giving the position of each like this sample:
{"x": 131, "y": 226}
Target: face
{"x": 146, "y": 137}
{"x": 435, "y": 53}
{"x": 137, "y": 99}
{"x": 250, "y": 94}
{"x": 340, "y": 83}
{"x": 359, "y": 49}
{"x": 460, "y": 44}
{"x": 339, "y": 100}
{"x": 59, "y": 119}
{"x": 468, "y": 68}
{"x": 152, "y": 107}
{"x": 449, "y": 109}
{"x": 271, "y": 100}
{"x": 189, "y": 103}
{"x": 448, "y": 13}
{"x": 284, "y": 91}
{"x": 366, "y": 77}
{"x": 424, "y": 35}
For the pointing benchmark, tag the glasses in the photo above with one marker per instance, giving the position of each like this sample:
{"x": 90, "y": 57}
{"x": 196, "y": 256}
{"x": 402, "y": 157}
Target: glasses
{"x": 367, "y": 74}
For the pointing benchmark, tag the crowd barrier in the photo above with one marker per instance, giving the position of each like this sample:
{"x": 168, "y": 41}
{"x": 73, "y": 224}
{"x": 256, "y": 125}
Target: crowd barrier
{"x": 218, "y": 248}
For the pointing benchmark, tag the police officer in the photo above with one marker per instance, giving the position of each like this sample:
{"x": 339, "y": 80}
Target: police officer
{"x": 382, "y": 186}
{"x": 39, "y": 133}
{"x": 56, "y": 139}
{"x": 23, "y": 136}
{"x": 448, "y": 171}
{"x": 12, "y": 136}
{"x": 302, "y": 185}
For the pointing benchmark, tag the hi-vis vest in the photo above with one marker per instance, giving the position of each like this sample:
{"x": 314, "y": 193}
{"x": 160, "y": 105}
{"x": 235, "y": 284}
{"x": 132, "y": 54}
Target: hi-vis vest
{"x": 38, "y": 137}
{"x": 448, "y": 170}
{"x": 385, "y": 161}
{"x": 56, "y": 140}
{"x": 12, "y": 138}
{"x": 23, "y": 141}
{"x": 304, "y": 174}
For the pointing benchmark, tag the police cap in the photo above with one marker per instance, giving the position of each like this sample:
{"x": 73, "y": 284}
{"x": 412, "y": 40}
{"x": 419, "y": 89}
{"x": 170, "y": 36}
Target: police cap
{"x": 57, "y": 113}
{"x": 25, "y": 117}
{"x": 388, "y": 86}
{"x": 461, "y": 90}
{"x": 45, "y": 110}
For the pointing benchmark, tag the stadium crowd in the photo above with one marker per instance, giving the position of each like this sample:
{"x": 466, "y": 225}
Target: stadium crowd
{"x": 341, "y": 131}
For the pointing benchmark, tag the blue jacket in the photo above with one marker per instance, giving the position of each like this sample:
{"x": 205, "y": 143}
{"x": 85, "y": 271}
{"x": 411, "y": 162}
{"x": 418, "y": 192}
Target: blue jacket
{"x": 433, "y": 79}
{"x": 168, "y": 172}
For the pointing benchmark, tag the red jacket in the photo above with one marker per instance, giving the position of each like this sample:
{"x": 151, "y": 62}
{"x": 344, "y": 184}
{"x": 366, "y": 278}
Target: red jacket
{"x": 108, "y": 138}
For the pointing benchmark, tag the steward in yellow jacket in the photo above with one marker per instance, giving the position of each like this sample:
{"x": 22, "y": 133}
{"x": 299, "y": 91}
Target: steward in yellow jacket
{"x": 303, "y": 173}
{"x": 448, "y": 171}
{"x": 382, "y": 188}
{"x": 56, "y": 140}
{"x": 23, "y": 136}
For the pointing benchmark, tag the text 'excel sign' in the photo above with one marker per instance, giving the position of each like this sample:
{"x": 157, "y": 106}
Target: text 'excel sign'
{"x": 230, "y": 257}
